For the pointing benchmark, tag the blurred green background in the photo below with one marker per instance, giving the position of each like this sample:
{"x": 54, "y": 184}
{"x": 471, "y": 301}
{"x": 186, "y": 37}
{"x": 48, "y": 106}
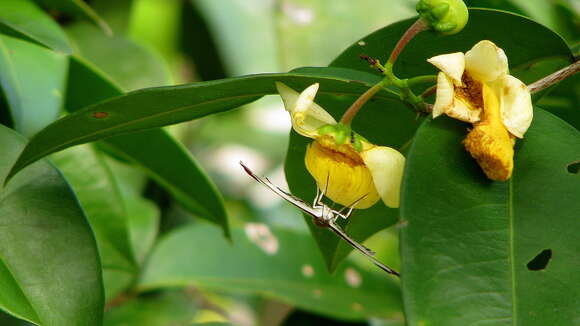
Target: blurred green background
{"x": 147, "y": 43}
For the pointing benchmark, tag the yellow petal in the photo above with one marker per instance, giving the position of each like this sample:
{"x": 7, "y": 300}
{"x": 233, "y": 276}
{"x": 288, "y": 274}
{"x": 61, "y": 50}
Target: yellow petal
{"x": 486, "y": 62}
{"x": 307, "y": 116}
{"x": 348, "y": 178}
{"x": 452, "y": 64}
{"x": 386, "y": 166}
{"x": 447, "y": 101}
{"x": 489, "y": 142}
{"x": 516, "y": 106}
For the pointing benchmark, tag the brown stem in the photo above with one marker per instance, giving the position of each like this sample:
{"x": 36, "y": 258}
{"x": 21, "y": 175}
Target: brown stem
{"x": 417, "y": 27}
{"x": 351, "y": 112}
{"x": 554, "y": 78}
{"x": 429, "y": 91}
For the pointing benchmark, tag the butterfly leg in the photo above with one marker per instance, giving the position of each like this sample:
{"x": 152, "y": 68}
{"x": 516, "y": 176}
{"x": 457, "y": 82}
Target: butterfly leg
{"x": 350, "y": 208}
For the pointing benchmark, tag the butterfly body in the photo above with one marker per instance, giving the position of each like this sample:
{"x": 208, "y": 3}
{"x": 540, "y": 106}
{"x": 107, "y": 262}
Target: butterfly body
{"x": 322, "y": 215}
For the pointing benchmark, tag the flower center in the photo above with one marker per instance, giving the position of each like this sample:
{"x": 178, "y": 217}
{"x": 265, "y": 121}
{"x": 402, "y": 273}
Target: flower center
{"x": 344, "y": 152}
{"x": 471, "y": 91}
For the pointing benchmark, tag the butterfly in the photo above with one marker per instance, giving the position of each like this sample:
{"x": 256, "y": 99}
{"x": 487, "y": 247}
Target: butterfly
{"x": 322, "y": 215}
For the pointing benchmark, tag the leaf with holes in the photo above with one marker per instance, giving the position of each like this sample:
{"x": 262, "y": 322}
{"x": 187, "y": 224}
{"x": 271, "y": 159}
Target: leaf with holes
{"x": 475, "y": 250}
{"x": 388, "y": 122}
{"x": 49, "y": 264}
{"x": 279, "y": 263}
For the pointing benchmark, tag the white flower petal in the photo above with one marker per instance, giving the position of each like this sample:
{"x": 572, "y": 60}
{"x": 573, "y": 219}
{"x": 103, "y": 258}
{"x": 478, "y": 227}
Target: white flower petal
{"x": 444, "y": 95}
{"x": 446, "y": 102}
{"x": 461, "y": 111}
{"x": 386, "y": 166}
{"x": 516, "y": 106}
{"x": 307, "y": 116}
{"x": 452, "y": 64}
{"x": 486, "y": 62}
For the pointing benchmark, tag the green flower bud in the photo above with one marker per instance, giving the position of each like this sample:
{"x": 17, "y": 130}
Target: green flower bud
{"x": 445, "y": 16}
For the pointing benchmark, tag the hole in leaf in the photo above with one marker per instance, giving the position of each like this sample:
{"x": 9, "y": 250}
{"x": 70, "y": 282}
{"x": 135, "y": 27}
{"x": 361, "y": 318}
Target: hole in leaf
{"x": 574, "y": 167}
{"x": 540, "y": 261}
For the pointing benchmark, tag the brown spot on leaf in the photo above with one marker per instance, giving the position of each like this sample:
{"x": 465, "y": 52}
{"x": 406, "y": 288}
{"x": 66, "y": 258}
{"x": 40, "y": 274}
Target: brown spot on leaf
{"x": 100, "y": 115}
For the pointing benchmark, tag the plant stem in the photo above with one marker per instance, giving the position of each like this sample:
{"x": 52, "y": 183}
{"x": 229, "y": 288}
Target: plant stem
{"x": 351, "y": 112}
{"x": 422, "y": 80}
{"x": 554, "y": 78}
{"x": 417, "y": 27}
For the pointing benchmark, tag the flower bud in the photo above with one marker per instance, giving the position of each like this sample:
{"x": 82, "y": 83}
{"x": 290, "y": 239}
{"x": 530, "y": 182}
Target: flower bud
{"x": 445, "y": 16}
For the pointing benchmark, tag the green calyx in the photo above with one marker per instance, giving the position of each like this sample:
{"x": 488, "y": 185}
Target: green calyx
{"x": 445, "y": 16}
{"x": 343, "y": 134}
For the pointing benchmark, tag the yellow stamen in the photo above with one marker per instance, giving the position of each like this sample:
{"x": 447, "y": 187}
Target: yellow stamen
{"x": 489, "y": 142}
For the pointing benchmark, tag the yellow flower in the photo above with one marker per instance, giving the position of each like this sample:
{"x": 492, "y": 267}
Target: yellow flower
{"x": 354, "y": 169}
{"x": 476, "y": 87}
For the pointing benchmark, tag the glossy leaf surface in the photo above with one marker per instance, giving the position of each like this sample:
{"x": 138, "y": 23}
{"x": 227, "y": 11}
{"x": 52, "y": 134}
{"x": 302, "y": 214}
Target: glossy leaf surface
{"x": 281, "y": 263}
{"x": 49, "y": 264}
{"x": 25, "y": 69}
{"x": 98, "y": 193}
{"x": 467, "y": 246}
{"x": 156, "y": 107}
{"x": 24, "y": 19}
{"x": 161, "y": 156}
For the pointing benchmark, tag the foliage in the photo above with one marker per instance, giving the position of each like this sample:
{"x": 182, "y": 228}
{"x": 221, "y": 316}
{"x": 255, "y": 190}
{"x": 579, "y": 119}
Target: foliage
{"x": 98, "y": 193}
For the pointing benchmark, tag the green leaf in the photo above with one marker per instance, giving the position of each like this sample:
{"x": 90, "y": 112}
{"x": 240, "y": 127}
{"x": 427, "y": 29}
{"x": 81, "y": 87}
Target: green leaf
{"x": 144, "y": 225}
{"x": 523, "y": 40}
{"x": 156, "y": 107}
{"x": 23, "y": 19}
{"x": 33, "y": 79}
{"x": 468, "y": 241}
{"x": 279, "y": 263}
{"x": 129, "y": 64}
{"x": 151, "y": 149}
{"x": 98, "y": 193}
{"x": 170, "y": 308}
{"x": 80, "y": 9}
{"x": 49, "y": 265}
{"x": 564, "y": 100}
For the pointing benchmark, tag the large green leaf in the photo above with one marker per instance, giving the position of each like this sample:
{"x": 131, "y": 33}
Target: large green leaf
{"x": 281, "y": 263}
{"x": 150, "y": 149}
{"x": 468, "y": 243}
{"x": 33, "y": 79}
{"x": 523, "y": 40}
{"x": 22, "y": 18}
{"x": 155, "y": 107}
{"x": 170, "y": 308}
{"x": 49, "y": 264}
{"x": 98, "y": 192}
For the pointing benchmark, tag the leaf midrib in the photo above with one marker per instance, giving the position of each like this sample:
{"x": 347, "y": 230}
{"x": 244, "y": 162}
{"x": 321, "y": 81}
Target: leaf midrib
{"x": 510, "y": 211}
